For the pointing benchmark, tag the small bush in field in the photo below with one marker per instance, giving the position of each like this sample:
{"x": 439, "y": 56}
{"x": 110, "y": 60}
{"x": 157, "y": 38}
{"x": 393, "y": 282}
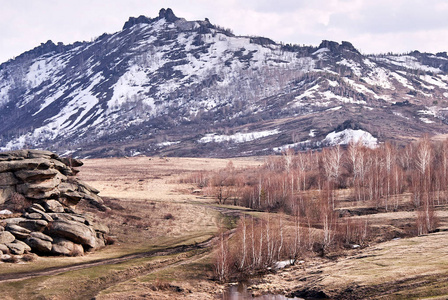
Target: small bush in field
{"x": 168, "y": 217}
{"x": 10, "y": 259}
{"x": 76, "y": 252}
{"x": 30, "y": 257}
{"x": 160, "y": 285}
{"x": 110, "y": 240}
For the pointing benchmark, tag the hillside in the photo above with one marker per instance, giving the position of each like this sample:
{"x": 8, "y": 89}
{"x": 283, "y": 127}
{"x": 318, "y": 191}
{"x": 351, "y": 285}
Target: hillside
{"x": 168, "y": 86}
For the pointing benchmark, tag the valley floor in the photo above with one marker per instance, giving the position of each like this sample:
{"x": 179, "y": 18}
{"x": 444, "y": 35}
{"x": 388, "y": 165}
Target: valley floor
{"x": 164, "y": 231}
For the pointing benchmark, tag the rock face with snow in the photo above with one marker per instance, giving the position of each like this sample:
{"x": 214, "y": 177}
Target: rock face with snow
{"x": 129, "y": 92}
{"x": 40, "y": 186}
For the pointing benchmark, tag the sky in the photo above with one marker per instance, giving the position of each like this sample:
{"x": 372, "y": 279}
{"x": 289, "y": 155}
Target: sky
{"x": 372, "y": 26}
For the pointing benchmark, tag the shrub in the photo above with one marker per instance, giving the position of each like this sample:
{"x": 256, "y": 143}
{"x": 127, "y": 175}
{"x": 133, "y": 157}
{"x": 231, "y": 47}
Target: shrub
{"x": 30, "y": 257}
{"x": 109, "y": 240}
{"x": 76, "y": 251}
{"x": 168, "y": 217}
{"x": 10, "y": 259}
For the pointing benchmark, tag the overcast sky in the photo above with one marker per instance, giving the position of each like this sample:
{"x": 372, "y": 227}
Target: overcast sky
{"x": 372, "y": 26}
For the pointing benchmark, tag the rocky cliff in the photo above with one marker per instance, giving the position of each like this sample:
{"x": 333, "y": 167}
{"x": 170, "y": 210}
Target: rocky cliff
{"x": 38, "y": 198}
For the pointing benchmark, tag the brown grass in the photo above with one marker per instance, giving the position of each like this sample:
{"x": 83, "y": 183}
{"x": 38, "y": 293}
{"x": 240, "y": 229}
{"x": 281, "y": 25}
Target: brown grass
{"x": 150, "y": 178}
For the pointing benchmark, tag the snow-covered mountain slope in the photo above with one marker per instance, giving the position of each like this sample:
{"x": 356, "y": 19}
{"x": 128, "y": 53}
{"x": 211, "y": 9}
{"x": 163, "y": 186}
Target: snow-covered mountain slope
{"x": 165, "y": 85}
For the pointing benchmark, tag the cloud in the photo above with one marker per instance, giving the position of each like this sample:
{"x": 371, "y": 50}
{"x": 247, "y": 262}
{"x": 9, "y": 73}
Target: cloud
{"x": 371, "y": 25}
{"x": 393, "y": 16}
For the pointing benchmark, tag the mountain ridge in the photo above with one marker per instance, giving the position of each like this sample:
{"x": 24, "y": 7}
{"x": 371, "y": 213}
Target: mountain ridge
{"x": 164, "y": 85}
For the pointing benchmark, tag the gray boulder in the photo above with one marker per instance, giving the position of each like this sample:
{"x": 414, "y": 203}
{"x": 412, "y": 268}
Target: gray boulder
{"x": 99, "y": 227}
{"x": 39, "y": 242}
{"x": 72, "y": 197}
{"x": 65, "y": 247}
{"x": 6, "y": 237}
{"x": 72, "y": 162}
{"x": 34, "y": 225}
{"x": 41, "y": 154}
{"x": 41, "y": 236}
{"x": 53, "y": 206}
{"x": 75, "y": 232}
{"x": 4, "y": 248}
{"x": 42, "y": 215}
{"x": 70, "y": 217}
{"x": 33, "y": 216}
{"x": 6, "y": 192}
{"x": 18, "y": 231}
{"x": 29, "y": 164}
{"x": 37, "y": 175}
{"x": 5, "y": 212}
{"x": 16, "y": 248}
{"x": 26, "y": 247}
{"x": 38, "y": 207}
{"x": 7, "y": 178}
{"x": 13, "y": 221}
{"x": 44, "y": 180}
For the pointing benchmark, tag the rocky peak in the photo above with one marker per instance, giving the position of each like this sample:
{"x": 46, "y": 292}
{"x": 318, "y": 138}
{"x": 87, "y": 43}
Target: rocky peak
{"x": 336, "y": 47}
{"x": 168, "y": 14}
{"x": 348, "y": 46}
{"x": 140, "y": 20}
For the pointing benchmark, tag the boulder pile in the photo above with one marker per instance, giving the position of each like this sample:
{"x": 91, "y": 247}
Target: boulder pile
{"x": 38, "y": 197}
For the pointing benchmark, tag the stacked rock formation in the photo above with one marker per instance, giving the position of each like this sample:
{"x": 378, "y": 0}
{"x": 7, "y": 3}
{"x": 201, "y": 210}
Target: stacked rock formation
{"x": 40, "y": 185}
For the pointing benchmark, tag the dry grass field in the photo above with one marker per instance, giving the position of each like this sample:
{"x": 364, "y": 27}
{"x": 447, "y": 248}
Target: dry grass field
{"x": 152, "y": 213}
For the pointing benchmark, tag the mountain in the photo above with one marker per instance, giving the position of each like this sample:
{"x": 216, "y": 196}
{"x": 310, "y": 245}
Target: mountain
{"x": 168, "y": 86}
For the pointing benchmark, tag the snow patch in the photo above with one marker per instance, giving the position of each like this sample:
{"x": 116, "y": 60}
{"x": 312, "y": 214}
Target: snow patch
{"x": 237, "y": 137}
{"x": 379, "y": 77}
{"x": 400, "y": 115}
{"x": 427, "y": 112}
{"x": 166, "y": 144}
{"x": 426, "y": 120}
{"x": 434, "y": 81}
{"x": 333, "y": 83}
{"x": 321, "y": 50}
{"x": 404, "y": 82}
{"x": 334, "y": 108}
{"x": 283, "y": 264}
{"x": 330, "y": 95}
{"x": 356, "y": 68}
{"x": 346, "y": 136}
{"x": 67, "y": 153}
{"x": 406, "y": 61}
{"x": 290, "y": 146}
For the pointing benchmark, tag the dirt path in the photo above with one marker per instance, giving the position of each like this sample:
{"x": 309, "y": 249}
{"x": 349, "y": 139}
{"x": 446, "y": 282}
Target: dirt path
{"x": 153, "y": 253}
{"x": 11, "y": 277}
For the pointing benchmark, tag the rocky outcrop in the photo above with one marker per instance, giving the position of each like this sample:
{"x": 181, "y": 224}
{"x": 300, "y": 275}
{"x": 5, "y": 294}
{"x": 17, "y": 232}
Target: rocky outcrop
{"x": 40, "y": 189}
{"x": 41, "y": 176}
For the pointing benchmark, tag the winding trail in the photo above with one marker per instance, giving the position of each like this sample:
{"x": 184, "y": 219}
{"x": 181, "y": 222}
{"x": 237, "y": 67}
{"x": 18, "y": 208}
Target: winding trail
{"x": 11, "y": 277}
{"x": 109, "y": 261}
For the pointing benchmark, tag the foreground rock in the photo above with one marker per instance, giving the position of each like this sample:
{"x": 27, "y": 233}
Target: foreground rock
{"x": 43, "y": 176}
{"x": 40, "y": 185}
